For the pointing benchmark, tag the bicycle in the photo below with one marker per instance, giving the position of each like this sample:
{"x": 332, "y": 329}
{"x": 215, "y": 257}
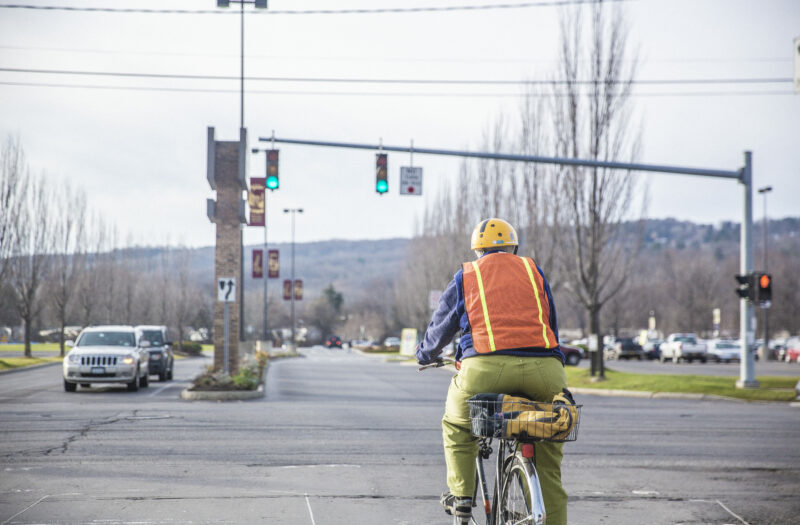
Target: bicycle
{"x": 516, "y": 495}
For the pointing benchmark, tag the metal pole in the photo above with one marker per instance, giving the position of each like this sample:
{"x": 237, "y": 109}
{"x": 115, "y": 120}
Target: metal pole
{"x": 226, "y": 337}
{"x": 265, "y": 264}
{"x": 725, "y": 174}
{"x": 767, "y": 354}
{"x": 241, "y": 80}
{"x": 746, "y": 319}
{"x": 294, "y": 212}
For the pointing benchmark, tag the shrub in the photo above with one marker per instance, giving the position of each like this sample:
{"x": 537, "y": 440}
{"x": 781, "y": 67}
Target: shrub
{"x": 191, "y": 348}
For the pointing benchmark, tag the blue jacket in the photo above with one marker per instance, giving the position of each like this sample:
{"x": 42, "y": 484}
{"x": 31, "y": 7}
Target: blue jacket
{"x": 451, "y": 315}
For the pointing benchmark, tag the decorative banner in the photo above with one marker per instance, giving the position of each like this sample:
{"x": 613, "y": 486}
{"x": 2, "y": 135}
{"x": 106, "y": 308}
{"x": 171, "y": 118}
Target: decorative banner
{"x": 273, "y": 266}
{"x": 298, "y": 290}
{"x": 258, "y": 264}
{"x": 255, "y": 199}
{"x": 287, "y": 290}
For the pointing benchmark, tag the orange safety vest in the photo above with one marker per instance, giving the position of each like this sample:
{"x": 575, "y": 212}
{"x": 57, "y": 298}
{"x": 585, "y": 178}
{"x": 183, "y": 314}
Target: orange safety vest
{"x": 506, "y": 304}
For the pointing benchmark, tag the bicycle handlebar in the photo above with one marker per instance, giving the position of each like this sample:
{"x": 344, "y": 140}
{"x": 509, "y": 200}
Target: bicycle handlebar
{"x": 438, "y": 363}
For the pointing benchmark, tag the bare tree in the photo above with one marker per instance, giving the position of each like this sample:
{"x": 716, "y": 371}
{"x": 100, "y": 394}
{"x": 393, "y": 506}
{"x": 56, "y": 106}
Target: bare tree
{"x": 90, "y": 281}
{"x": 595, "y": 125}
{"x": 14, "y": 180}
{"x": 28, "y": 264}
{"x": 68, "y": 261}
{"x": 186, "y": 299}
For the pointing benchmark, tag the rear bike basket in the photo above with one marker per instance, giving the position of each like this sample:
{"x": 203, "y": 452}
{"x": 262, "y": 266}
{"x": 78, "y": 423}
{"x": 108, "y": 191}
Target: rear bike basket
{"x": 511, "y": 417}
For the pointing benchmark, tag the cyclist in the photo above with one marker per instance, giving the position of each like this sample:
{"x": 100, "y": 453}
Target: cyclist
{"x": 502, "y": 304}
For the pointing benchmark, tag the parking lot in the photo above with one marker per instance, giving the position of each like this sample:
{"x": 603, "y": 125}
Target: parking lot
{"x": 762, "y": 368}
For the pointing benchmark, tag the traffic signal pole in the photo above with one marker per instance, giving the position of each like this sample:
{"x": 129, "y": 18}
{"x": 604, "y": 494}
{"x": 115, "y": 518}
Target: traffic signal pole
{"x": 746, "y": 314}
{"x": 744, "y": 175}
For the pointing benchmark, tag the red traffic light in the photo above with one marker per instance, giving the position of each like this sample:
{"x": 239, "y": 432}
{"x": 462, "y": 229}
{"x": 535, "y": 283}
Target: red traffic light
{"x": 764, "y": 281}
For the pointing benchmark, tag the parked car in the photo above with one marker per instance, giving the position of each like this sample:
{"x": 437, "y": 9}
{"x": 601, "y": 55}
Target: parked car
{"x": 391, "y": 341}
{"x": 683, "y": 346}
{"x": 572, "y": 354}
{"x": 652, "y": 349}
{"x": 792, "y": 351}
{"x": 333, "y": 341}
{"x": 162, "y": 359}
{"x": 721, "y": 350}
{"x": 626, "y": 348}
{"x": 107, "y": 354}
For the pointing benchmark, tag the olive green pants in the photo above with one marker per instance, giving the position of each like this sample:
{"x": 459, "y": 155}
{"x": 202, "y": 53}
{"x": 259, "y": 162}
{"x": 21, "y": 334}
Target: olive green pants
{"x": 538, "y": 378}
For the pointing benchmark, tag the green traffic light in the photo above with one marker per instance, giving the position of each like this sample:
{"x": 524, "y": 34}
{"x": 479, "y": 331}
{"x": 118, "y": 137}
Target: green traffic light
{"x": 272, "y": 183}
{"x": 381, "y": 186}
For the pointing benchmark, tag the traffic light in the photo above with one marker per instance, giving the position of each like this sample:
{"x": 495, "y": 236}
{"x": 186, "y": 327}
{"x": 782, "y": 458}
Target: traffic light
{"x": 746, "y": 290}
{"x": 381, "y": 173}
{"x": 273, "y": 182}
{"x": 764, "y": 283}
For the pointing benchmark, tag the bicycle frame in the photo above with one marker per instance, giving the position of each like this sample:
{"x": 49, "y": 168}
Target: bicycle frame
{"x": 507, "y": 451}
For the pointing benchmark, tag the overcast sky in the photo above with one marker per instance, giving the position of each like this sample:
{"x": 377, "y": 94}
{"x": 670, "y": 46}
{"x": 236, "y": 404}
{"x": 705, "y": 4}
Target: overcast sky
{"x": 140, "y": 154}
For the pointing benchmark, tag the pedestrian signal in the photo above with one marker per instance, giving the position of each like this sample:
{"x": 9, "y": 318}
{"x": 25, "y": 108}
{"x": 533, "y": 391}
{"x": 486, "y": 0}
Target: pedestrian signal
{"x": 273, "y": 182}
{"x": 381, "y": 173}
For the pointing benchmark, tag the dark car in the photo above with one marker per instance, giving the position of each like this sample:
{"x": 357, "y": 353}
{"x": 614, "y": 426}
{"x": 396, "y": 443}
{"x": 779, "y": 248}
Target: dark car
{"x": 572, "y": 355}
{"x": 652, "y": 349}
{"x": 627, "y": 348}
{"x": 333, "y": 342}
{"x": 162, "y": 359}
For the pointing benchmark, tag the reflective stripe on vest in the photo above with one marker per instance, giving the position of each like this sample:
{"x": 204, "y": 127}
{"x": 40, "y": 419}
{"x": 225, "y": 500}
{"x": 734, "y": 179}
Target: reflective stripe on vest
{"x": 506, "y": 304}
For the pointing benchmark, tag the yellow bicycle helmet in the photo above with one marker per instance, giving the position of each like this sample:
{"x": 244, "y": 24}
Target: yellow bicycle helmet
{"x": 493, "y": 233}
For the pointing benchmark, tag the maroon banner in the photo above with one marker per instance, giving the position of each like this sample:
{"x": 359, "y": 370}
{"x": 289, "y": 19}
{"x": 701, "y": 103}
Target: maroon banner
{"x": 255, "y": 199}
{"x": 258, "y": 264}
{"x": 273, "y": 265}
{"x": 298, "y": 290}
{"x": 287, "y": 290}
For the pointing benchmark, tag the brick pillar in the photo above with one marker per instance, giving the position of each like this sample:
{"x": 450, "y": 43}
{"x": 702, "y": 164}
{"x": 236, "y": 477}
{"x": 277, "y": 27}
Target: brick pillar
{"x": 228, "y": 252}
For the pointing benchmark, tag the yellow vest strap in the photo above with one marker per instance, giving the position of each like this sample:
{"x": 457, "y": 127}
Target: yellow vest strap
{"x": 538, "y": 302}
{"x": 485, "y": 308}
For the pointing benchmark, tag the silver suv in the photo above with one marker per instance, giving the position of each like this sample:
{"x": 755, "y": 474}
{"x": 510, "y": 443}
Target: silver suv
{"x": 107, "y": 354}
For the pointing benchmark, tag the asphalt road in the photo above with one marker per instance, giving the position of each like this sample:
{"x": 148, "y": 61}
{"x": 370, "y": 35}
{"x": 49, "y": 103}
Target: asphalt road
{"x": 342, "y": 438}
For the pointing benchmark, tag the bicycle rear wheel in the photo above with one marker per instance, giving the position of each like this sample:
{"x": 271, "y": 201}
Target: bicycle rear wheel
{"x": 521, "y": 495}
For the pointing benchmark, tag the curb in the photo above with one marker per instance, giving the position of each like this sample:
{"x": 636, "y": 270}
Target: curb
{"x": 657, "y": 395}
{"x": 31, "y": 367}
{"x": 223, "y": 395}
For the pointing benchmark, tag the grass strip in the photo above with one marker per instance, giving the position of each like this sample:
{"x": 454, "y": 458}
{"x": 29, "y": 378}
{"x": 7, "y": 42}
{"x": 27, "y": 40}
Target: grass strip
{"x": 21, "y": 362}
{"x": 772, "y": 388}
{"x": 35, "y": 347}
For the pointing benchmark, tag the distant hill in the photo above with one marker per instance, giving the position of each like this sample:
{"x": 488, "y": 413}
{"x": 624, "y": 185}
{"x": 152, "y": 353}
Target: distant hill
{"x": 349, "y": 265}
{"x": 352, "y": 265}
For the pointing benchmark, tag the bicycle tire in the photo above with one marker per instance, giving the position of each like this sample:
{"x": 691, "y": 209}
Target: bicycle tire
{"x": 520, "y": 500}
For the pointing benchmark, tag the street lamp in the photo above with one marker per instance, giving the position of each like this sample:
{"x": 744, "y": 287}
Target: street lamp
{"x": 767, "y": 355}
{"x": 293, "y": 211}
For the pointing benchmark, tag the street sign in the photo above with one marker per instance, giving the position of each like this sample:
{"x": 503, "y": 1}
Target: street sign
{"x": 408, "y": 341}
{"x": 287, "y": 290}
{"x": 410, "y": 181}
{"x": 226, "y": 289}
